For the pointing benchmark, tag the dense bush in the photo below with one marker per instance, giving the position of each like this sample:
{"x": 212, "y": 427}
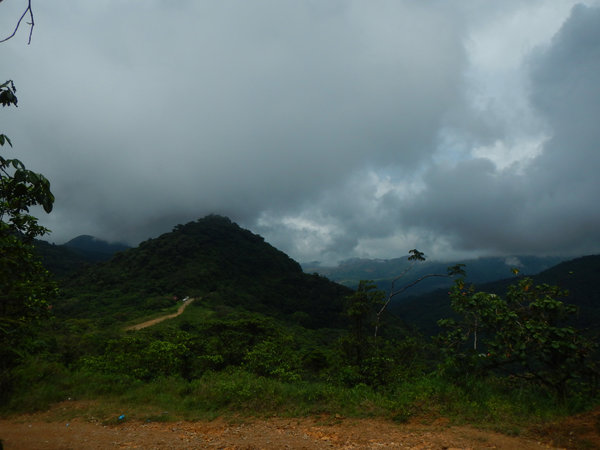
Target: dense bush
{"x": 526, "y": 335}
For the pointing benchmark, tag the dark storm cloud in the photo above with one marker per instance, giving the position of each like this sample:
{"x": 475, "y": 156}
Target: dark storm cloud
{"x": 237, "y": 108}
{"x": 551, "y": 205}
{"x": 334, "y": 129}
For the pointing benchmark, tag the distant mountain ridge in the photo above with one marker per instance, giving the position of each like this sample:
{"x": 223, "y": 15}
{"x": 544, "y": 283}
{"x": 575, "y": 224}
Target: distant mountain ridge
{"x": 63, "y": 260}
{"x": 95, "y": 248}
{"x": 60, "y": 260}
{"x": 382, "y": 271}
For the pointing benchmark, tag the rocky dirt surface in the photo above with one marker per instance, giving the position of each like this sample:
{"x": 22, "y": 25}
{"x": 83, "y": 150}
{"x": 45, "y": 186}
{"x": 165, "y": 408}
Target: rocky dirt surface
{"x": 258, "y": 434}
{"x": 48, "y": 431}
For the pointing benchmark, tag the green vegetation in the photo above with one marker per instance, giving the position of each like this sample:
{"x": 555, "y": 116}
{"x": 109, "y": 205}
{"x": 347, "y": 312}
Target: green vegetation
{"x": 526, "y": 335}
{"x": 262, "y": 337}
{"x": 237, "y": 392}
{"x": 577, "y": 277}
{"x": 25, "y": 284}
{"x": 211, "y": 258}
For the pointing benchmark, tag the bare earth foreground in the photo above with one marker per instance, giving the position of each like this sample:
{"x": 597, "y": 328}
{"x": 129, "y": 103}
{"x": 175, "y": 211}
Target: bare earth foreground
{"x": 273, "y": 433}
{"x": 43, "y": 431}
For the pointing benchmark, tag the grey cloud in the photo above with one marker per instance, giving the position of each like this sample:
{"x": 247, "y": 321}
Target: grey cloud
{"x": 228, "y": 107}
{"x": 567, "y": 93}
{"x": 294, "y": 117}
{"x": 551, "y": 206}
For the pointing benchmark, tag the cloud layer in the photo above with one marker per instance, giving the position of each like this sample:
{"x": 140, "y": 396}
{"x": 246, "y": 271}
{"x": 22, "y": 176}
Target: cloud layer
{"x": 334, "y": 129}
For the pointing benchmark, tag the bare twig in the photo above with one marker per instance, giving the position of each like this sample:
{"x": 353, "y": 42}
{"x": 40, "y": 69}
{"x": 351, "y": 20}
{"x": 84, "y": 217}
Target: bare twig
{"x": 31, "y": 24}
{"x": 394, "y": 292}
{"x": 414, "y": 258}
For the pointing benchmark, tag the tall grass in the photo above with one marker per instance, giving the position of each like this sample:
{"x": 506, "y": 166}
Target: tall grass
{"x": 499, "y": 404}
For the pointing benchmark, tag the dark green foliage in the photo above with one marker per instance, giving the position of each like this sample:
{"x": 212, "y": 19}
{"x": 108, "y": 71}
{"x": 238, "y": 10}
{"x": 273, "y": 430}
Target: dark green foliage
{"x": 578, "y": 276}
{"x": 258, "y": 344}
{"x": 139, "y": 358}
{"x": 275, "y": 358}
{"x": 25, "y": 286}
{"x": 7, "y": 98}
{"x": 377, "y": 361}
{"x": 383, "y": 364}
{"x": 111, "y": 306}
{"x": 24, "y": 299}
{"x": 361, "y": 309}
{"x": 213, "y": 258}
{"x": 526, "y": 334}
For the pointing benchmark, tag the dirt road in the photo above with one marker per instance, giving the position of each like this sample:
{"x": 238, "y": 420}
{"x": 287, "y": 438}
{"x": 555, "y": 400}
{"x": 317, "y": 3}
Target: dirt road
{"x": 305, "y": 433}
{"x": 149, "y": 323}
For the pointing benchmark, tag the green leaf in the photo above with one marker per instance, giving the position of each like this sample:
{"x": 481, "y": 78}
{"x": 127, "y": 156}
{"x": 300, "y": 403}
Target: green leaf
{"x": 33, "y": 178}
{"x": 17, "y": 164}
{"x": 4, "y": 138}
{"x": 47, "y": 203}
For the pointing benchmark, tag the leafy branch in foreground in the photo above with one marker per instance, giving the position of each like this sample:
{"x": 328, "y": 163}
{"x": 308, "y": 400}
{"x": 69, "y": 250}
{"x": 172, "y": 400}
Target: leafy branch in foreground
{"x": 20, "y": 188}
{"x": 26, "y": 285}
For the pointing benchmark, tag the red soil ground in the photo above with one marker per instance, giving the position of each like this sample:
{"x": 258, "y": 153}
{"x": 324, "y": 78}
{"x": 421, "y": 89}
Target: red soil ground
{"x": 43, "y": 431}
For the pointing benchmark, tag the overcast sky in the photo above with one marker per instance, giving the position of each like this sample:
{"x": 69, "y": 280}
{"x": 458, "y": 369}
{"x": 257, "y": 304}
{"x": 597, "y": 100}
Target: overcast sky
{"x": 334, "y": 129}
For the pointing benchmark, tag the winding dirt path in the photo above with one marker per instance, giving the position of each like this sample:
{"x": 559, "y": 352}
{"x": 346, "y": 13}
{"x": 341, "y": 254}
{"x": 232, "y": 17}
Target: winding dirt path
{"x": 149, "y": 323}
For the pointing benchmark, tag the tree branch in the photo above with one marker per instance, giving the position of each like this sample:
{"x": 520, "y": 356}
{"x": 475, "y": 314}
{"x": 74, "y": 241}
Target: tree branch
{"x": 395, "y": 292}
{"x": 31, "y": 24}
{"x": 416, "y": 255}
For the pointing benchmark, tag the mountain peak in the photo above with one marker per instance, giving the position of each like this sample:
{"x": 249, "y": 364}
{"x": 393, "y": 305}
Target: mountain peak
{"x": 216, "y": 259}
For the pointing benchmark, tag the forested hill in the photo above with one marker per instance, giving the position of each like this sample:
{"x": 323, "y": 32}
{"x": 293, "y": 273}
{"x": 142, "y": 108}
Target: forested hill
{"x": 212, "y": 258}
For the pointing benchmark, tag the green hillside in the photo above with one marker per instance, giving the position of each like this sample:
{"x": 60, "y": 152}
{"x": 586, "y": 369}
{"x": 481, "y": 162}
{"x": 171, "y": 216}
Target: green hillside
{"x": 212, "y": 258}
